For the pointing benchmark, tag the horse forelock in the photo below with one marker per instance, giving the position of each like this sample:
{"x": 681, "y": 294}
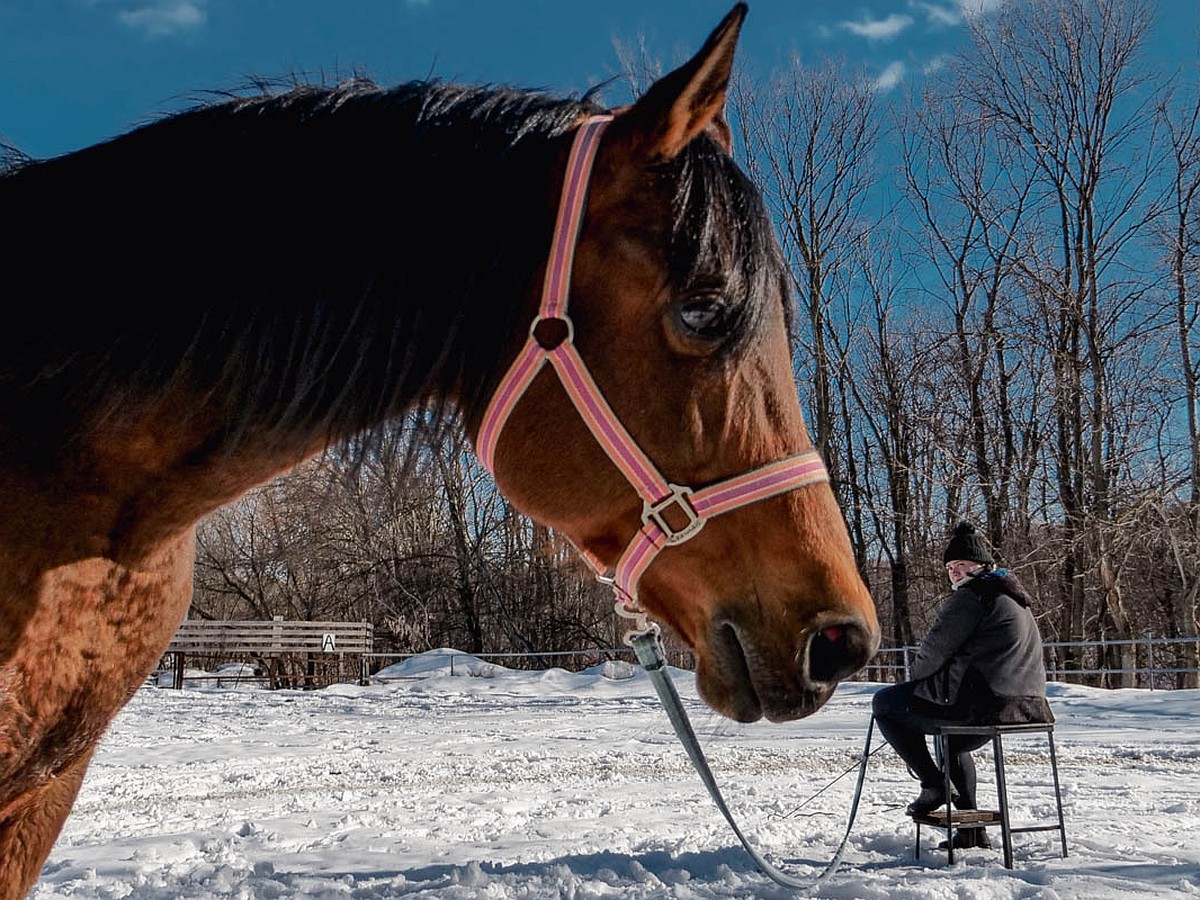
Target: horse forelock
{"x": 320, "y": 258}
{"x": 720, "y": 225}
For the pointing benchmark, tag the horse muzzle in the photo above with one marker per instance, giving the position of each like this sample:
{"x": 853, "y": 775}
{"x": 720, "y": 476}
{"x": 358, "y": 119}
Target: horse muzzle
{"x": 748, "y": 677}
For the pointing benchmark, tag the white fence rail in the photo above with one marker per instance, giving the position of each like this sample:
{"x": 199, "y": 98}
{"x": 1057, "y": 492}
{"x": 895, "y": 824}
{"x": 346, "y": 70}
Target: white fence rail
{"x": 1147, "y": 661}
{"x": 1154, "y": 662}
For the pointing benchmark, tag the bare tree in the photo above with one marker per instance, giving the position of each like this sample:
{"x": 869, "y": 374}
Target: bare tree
{"x": 417, "y": 541}
{"x": 969, "y": 200}
{"x": 1058, "y": 82}
{"x": 811, "y": 137}
{"x": 886, "y": 375}
{"x": 1180, "y": 118}
{"x": 639, "y": 66}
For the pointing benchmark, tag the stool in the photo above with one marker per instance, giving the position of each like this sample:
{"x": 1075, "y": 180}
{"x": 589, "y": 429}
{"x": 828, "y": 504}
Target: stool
{"x": 951, "y": 819}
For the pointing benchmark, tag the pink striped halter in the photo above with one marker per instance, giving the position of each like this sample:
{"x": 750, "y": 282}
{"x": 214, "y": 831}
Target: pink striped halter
{"x": 551, "y": 340}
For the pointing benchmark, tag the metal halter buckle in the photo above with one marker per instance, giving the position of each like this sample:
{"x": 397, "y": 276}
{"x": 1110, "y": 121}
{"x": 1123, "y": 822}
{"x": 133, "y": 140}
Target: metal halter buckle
{"x": 680, "y": 498}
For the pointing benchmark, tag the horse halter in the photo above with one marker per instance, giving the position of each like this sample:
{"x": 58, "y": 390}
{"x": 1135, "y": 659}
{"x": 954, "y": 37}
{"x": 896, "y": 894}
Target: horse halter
{"x": 551, "y": 340}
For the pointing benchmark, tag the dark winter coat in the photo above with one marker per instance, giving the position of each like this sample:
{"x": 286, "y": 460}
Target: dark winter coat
{"x": 982, "y": 659}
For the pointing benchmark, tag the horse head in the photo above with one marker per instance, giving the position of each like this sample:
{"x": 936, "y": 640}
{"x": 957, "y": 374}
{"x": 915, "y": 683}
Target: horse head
{"x": 679, "y": 312}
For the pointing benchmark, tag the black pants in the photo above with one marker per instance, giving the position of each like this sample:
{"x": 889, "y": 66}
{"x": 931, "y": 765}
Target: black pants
{"x": 905, "y": 719}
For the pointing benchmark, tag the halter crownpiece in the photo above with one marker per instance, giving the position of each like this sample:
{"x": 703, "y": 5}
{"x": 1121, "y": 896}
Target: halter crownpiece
{"x": 671, "y": 513}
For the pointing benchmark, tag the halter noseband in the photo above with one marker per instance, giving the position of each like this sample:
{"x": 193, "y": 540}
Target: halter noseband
{"x": 551, "y": 340}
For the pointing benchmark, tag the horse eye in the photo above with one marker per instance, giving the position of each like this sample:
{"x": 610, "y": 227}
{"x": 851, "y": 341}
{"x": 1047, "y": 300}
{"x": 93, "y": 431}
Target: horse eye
{"x": 707, "y": 317}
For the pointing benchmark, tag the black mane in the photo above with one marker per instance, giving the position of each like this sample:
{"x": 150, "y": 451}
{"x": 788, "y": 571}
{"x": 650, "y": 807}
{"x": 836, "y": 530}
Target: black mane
{"x": 319, "y": 259}
{"x": 312, "y": 254}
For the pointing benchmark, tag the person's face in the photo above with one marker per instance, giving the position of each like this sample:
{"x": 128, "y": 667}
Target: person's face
{"x": 958, "y": 569}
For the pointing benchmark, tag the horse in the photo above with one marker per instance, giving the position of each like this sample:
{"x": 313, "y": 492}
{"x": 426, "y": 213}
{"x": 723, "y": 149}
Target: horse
{"x": 206, "y": 300}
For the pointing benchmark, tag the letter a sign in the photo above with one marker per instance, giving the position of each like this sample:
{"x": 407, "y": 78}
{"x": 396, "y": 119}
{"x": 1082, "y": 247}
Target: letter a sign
{"x": 328, "y": 643}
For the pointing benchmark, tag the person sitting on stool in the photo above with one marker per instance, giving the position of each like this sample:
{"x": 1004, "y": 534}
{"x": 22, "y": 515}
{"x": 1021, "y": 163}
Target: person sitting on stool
{"x": 980, "y": 664}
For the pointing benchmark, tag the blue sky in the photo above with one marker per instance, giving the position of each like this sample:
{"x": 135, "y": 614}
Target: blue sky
{"x": 74, "y": 72}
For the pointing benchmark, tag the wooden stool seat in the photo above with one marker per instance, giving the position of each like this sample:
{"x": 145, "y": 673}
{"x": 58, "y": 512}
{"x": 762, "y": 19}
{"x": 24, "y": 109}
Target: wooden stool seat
{"x": 961, "y": 818}
{"x": 949, "y": 819}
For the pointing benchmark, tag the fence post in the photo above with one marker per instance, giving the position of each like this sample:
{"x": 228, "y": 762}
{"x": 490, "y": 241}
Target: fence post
{"x": 1136, "y": 665}
{"x": 1150, "y": 658}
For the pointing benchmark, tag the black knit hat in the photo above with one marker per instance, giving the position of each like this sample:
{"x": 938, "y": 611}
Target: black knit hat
{"x": 967, "y": 544}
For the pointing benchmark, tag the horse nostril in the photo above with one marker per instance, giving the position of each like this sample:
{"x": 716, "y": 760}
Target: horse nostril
{"x": 838, "y": 651}
{"x": 832, "y": 633}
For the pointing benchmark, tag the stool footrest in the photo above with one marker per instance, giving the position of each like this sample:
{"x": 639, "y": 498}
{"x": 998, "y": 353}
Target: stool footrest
{"x": 960, "y": 818}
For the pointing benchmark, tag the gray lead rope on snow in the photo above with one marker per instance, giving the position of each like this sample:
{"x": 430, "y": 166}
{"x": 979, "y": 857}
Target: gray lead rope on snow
{"x": 648, "y": 647}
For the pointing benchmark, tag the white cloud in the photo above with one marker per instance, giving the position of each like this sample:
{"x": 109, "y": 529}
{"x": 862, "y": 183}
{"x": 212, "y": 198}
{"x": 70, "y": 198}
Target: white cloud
{"x": 940, "y": 14}
{"x": 879, "y": 29}
{"x": 890, "y": 77}
{"x": 165, "y": 17}
{"x": 972, "y": 8}
{"x": 934, "y": 65}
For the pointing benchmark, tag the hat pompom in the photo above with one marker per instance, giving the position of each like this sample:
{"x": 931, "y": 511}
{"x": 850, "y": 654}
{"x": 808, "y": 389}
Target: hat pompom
{"x": 967, "y": 544}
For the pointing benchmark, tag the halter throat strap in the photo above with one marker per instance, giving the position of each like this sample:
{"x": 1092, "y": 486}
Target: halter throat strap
{"x": 671, "y": 513}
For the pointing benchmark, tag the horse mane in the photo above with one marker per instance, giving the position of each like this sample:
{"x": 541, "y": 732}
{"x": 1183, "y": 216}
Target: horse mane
{"x": 11, "y": 158}
{"x": 320, "y": 258}
{"x": 720, "y": 225}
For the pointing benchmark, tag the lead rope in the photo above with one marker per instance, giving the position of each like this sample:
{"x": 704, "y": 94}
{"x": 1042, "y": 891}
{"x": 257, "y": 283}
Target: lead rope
{"x": 648, "y": 647}
{"x": 551, "y": 342}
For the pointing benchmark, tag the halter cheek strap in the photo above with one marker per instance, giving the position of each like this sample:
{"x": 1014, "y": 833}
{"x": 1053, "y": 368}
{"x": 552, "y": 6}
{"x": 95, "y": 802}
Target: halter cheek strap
{"x": 671, "y": 513}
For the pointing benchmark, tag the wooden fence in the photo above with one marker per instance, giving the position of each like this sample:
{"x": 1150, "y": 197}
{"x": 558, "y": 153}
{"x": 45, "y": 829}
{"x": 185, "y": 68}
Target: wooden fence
{"x": 283, "y": 654}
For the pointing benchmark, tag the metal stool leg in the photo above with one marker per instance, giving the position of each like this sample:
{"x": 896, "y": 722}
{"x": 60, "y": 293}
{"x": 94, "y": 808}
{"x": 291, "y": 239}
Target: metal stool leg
{"x": 941, "y": 749}
{"x": 944, "y": 758}
{"x": 1002, "y": 796}
{"x": 1062, "y": 825}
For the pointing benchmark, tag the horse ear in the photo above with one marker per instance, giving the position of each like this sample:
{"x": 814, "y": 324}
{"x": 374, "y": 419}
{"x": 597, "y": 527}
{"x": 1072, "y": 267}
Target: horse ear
{"x": 689, "y": 100}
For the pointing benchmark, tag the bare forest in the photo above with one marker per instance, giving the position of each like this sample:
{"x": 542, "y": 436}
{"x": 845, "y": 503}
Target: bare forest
{"x": 998, "y": 289}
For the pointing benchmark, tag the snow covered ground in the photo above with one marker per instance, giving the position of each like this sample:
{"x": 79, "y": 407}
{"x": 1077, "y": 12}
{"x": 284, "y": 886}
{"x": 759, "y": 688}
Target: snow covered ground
{"x": 492, "y": 783}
